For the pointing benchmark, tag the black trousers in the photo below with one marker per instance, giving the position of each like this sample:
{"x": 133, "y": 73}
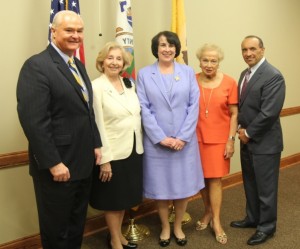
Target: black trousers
{"x": 62, "y": 209}
{"x": 260, "y": 176}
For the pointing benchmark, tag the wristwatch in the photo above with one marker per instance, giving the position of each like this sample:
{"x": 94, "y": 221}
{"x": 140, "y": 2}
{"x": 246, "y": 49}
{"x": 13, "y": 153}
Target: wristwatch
{"x": 231, "y": 138}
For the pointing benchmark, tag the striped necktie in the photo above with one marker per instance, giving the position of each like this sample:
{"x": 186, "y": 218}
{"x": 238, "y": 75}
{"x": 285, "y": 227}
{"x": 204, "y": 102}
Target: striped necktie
{"x": 245, "y": 83}
{"x": 73, "y": 69}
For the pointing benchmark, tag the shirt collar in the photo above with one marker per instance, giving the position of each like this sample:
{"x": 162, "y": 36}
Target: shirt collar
{"x": 255, "y": 67}
{"x": 63, "y": 55}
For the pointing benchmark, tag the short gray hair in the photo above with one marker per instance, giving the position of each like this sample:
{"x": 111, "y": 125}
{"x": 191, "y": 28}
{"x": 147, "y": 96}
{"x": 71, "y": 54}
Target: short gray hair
{"x": 210, "y": 47}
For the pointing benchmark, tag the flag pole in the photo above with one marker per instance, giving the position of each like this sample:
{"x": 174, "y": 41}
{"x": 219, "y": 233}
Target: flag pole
{"x": 124, "y": 36}
{"x": 99, "y": 18}
{"x": 178, "y": 27}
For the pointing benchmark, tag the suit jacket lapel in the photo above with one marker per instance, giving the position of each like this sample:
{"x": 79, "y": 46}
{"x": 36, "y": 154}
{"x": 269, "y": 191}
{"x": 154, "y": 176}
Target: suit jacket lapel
{"x": 63, "y": 67}
{"x": 253, "y": 80}
{"x": 155, "y": 74}
{"x": 110, "y": 90}
{"x": 86, "y": 81}
{"x": 176, "y": 80}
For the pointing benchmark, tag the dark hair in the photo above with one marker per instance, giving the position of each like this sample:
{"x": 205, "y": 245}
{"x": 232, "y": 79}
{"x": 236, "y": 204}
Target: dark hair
{"x": 260, "y": 42}
{"x": 171, "y": 37}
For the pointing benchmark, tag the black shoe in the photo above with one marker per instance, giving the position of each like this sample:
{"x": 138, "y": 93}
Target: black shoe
{"x": 164, "y": 242}
{"x": 180, "y": 242}
{"x": 259, "y": 238}
{"x": 242, "y": 224}
{"x": 108, "y": 240}
{"x": 130, "y": 245}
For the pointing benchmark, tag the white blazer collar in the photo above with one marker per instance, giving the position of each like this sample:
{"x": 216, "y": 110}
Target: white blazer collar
{"x": 110, "y": 90}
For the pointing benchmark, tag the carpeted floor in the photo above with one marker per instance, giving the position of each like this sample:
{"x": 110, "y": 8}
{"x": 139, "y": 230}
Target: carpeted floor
{"x": 288, "y": 226}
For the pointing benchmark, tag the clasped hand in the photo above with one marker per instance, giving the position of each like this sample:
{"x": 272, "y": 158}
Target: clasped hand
{"x": 173, "y": 143}
{"x": 242, "y": 136}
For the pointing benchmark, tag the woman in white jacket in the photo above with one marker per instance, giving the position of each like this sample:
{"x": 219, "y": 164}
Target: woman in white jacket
{"x": 117, "y": 181}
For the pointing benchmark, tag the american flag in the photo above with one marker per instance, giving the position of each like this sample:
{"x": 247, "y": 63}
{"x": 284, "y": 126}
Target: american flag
{"x": 58, "y": 5}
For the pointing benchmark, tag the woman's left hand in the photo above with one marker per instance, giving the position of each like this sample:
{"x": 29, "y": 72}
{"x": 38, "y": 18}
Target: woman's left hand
{"x": 177, "y": 144}
{"x": 105, "y": 174}
{"x": 229, "y": 150}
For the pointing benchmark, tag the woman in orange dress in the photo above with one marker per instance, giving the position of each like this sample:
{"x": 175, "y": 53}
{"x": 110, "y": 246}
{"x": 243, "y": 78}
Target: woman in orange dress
{"x": 216, "y": 129}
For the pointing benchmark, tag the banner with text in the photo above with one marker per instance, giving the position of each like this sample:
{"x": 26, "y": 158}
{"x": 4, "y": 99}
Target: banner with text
{"x": 124, "y": 33}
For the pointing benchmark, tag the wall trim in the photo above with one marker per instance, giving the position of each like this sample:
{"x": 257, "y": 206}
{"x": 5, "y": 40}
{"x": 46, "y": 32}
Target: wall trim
{"x": 290, "y": 111}
{"x": 97, "y": 223}
{"x": 29, "y": 242}
{"x": 20, "y": 158}
{"x": 13, "y": 159}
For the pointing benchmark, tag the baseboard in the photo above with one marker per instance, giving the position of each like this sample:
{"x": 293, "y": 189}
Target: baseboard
{"x": 30, "y": 242}
{"x": 97, "y": 223}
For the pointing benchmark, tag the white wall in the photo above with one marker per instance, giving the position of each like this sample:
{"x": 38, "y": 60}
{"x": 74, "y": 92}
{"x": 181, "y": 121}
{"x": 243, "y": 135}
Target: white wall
{"x": 24, "y": 32}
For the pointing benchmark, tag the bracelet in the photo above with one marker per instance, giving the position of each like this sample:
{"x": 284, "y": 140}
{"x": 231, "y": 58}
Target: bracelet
{"x": 231, "y": 138}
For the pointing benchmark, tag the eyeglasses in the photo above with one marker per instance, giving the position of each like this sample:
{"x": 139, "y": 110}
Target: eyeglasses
{"x": 205, "y": 62}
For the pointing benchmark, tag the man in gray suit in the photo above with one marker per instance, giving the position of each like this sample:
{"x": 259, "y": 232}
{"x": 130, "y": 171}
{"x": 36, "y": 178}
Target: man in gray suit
{"x": 64, "y": 142}
{"x": 261, "y": 97}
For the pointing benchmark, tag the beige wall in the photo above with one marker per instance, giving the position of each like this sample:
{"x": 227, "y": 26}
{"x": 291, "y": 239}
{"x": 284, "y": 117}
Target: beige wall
{"x": 24, "y": 33}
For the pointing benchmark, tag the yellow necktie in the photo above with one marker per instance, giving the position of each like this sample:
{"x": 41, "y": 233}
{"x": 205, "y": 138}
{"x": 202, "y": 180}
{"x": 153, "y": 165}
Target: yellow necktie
{"x": 73, "y": 69}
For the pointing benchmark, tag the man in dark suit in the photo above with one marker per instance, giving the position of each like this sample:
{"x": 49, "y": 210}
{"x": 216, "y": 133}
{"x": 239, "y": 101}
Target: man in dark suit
{"x": 260, "y": 103}
{"x": 64, "y": 142}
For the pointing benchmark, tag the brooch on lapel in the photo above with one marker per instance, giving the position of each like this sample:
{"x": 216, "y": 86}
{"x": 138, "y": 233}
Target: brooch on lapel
{"x": 127, "y": 82}
{"x": 176, "y": 78}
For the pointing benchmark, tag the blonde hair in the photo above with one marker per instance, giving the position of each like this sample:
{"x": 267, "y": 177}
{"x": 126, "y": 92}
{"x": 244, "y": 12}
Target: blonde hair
{"x": 127, "y": 57}
{"x": 210, "y": 47}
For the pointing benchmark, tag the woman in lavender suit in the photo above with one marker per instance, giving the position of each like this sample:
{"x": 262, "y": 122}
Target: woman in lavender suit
{"x": 169, "y": 95}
